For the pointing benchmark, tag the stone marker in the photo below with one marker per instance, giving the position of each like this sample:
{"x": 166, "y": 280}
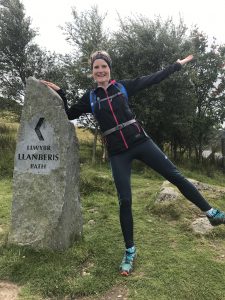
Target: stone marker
{"x": 46, "y": 210}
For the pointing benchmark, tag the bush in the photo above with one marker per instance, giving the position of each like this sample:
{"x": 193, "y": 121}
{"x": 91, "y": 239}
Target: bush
{"x": 7, "y": 148}
{"x": 10, "y": 110}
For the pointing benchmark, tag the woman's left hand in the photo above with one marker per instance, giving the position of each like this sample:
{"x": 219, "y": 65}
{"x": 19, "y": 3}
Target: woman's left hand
{"x": 185, "y": 60}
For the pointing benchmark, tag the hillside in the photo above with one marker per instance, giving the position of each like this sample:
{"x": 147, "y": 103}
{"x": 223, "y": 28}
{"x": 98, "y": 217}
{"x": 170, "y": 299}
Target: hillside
{"x": 173, "y": 261}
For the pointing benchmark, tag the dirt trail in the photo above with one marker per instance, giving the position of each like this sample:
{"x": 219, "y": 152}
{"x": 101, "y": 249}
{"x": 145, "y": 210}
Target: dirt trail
{"x": 8, "y": 291}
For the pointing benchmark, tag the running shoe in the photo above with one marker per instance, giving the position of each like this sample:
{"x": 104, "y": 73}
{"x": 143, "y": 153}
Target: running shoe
{"x": 127, "y": 264}
{"x": 217, "y": 218}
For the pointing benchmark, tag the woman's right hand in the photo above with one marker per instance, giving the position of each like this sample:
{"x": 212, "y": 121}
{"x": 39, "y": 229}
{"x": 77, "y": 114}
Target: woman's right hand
{"x": 51, "y": 85}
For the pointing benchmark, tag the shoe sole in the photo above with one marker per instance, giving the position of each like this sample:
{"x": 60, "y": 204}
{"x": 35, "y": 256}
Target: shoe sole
{"x": 125, "y": 273}
{"x": 214, "y": 225}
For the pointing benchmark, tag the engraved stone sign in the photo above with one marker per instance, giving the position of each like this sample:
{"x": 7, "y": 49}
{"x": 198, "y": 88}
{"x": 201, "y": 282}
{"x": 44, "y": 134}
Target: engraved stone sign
{"x": 46, "y": 210}
{"x": 38, "y": 152}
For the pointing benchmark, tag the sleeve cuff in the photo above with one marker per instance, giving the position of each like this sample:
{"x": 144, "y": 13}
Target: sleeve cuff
{"x": 178, "y": 66}
{"x": 61, "y": 93}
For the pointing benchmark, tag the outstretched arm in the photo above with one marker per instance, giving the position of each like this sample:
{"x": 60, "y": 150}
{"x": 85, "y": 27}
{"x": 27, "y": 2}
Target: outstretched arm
{"x": 135, "y": 85}
{"x": 185, "y": 60}
{"x": 76, "y": 110}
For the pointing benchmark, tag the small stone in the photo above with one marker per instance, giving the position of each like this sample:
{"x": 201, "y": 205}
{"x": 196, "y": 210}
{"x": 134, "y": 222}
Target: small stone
{"x": 84, "y": 273}
{"x": 91, "y": 222}
{"x": 202, "y": 226}
{"x": 167, "y": 193}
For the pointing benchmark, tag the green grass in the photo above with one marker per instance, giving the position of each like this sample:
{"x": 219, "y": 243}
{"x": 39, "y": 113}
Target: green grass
{"x": 173, "y": 262}
{"x": 8, "y": 133}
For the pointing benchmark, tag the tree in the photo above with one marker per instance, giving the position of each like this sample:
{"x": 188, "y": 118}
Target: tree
{"x": 85, "y": 33}
{"x": 182, "y": 110}
{"x": 208, "y": 79}
{"x": 141, "y": 47}
{"x": 20, "y": 57}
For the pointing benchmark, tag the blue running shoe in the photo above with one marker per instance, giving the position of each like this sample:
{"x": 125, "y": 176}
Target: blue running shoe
{"x": 217, "y": 218}
{"x": 127, "y": 264}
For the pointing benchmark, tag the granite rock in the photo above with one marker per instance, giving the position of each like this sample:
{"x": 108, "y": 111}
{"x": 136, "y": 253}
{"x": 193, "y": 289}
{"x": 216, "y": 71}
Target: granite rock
{"x": 46, "y": 208}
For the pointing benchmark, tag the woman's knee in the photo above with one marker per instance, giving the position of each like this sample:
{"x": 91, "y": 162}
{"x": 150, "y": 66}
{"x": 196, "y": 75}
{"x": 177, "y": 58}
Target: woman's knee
{"x": 125, "y": 202}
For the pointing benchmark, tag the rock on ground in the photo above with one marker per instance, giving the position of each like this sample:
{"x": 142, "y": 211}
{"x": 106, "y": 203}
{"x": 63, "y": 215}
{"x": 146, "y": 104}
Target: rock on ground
{"x": 202, "y": 226}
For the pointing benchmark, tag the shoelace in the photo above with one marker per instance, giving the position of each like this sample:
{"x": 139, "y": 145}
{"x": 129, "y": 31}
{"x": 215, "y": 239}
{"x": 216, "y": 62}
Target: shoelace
{"x": 214, "y": 213}
{"x": 219, "y": 214}
{"x": 129, "y": 256}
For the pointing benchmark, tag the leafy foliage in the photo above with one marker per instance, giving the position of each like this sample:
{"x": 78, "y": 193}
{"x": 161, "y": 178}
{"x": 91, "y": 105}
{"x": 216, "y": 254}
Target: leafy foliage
{"x": 181, "y": 113}
{"x": 20, "y": 57}
{"x": 208, "y": 79}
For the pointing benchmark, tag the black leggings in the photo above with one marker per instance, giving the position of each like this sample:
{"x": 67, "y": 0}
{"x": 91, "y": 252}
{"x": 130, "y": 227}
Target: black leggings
{"x": 149, "y": 153}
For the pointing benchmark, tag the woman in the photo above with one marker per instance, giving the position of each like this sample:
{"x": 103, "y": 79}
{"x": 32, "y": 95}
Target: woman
{"x": 126, "y": 140}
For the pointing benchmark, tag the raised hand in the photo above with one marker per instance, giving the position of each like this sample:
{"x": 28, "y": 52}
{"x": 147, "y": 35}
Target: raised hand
{"x": 185, "y": 60}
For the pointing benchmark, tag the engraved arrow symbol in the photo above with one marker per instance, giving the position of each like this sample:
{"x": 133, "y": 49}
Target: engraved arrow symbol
{"x": 37, "y": 129}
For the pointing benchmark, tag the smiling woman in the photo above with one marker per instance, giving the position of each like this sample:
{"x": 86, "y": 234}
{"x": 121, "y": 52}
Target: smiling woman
{"x": 101, "y": 65}
{"x": 126, "y": 141}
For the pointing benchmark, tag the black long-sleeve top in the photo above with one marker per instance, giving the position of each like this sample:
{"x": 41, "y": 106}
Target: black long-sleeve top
{"x": 112, "y": 112}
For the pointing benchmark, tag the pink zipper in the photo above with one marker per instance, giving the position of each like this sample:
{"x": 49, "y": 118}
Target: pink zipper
{"x": 115, "y": 118}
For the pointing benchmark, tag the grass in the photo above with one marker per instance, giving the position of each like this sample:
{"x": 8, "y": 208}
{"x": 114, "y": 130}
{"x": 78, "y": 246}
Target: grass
{"x": 8, "y": 132}
{"x": 173, "y": 262}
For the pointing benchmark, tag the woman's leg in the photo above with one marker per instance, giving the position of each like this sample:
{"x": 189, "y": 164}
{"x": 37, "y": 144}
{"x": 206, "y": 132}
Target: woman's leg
{"x": 121, "y": 170}
{"x": 150, "y": 154}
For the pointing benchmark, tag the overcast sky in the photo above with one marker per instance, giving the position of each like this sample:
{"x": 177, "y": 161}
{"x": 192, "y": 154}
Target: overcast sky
{"x": 47, "y": 15}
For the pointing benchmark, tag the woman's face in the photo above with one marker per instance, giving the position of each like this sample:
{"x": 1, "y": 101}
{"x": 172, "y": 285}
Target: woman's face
{"x": 101, "y": 72}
